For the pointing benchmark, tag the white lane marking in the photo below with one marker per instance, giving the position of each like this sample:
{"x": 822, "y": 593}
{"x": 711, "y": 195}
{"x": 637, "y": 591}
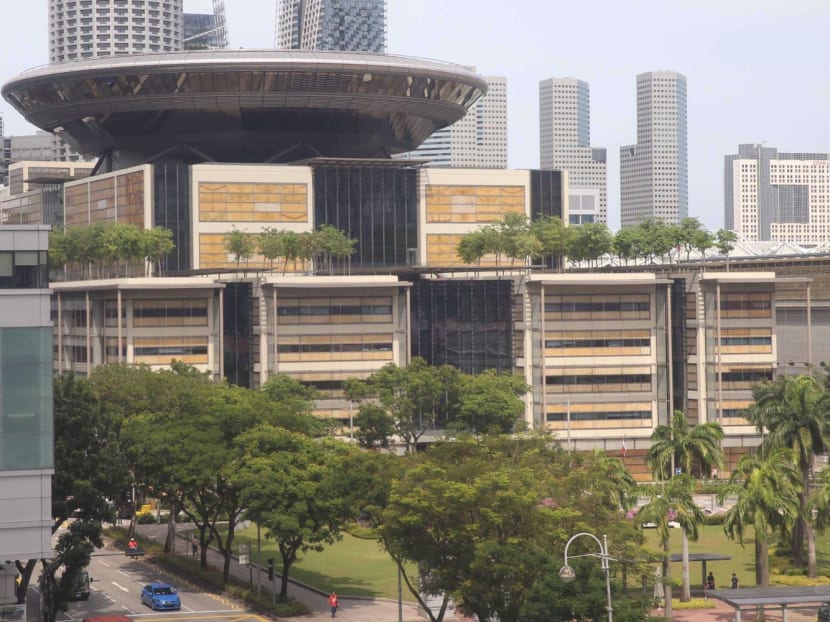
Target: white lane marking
{"x": 123, "y": 589}
{"x": 123, "y": 574}
{"x": 103, "y": 563}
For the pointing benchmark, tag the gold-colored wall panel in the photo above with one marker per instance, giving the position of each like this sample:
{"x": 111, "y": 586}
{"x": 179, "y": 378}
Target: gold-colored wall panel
{"x": 213, "y": 254}
{"x": 119, "y": 198}
{"x": 473, "y": 204}
{"x": 441, "y": 251}
{"x": 253, "y": 202}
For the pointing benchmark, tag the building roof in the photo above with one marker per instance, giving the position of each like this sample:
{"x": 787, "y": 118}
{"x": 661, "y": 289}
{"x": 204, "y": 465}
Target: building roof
{"x": 748, "y": 597}
{"x": 245, "y": 105}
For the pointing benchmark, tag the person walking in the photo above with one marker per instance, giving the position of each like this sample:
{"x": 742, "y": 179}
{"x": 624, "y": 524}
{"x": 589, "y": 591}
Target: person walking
{"x": 333, "y": 603}
{"x": 734, "y": 581}
{"x": 194, "y": 545}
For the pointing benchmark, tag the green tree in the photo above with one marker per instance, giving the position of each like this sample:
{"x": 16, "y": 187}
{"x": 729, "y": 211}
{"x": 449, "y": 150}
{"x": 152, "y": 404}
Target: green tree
{"x": 725, "y": 241}
{"x": 767, "y": 486}
{"x": 375, "y": 427}
{"x": 554, "y": 236}
{"x": 239, "y": 244}
{"x": 287, "y": 479}
{"x": 673, "y": 500}
{"x": 688, "y": 232}
{"x": 589, "y": 242}
{"x": 685, "y": 446}
{"x": 270, "y": 243}
{"x": 491, "y": 403}
{"x": 792, "y": 411}
{"x": 157, "y": 243}
{"x": 626, "y": 242}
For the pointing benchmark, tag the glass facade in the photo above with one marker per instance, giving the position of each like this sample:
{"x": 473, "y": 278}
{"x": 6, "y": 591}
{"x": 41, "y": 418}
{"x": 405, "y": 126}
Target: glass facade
{"x": 171, "y": 207}
{"x": 466, "y": 324}
{"x": 23, "y": 270}
{"x": 377, "y": 206}
{"x": 26, "y": 433}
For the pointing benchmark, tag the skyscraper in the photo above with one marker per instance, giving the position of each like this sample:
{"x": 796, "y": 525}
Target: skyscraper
{"x": 565, "y": 144}
{"x": 780, "y": 197}
{"x": 206, "y": 31}
{"x": 654, "y": 173}
{"x": 335, "y": 25}
{"x": 479, "y": 140}
{"x": 93, "y": 28}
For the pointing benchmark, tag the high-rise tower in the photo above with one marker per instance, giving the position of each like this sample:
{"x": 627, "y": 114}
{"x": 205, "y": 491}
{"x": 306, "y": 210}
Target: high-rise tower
{"x": 479, "y": 140}
{"x": 654, "y": 173}
{"x": 565, "y": 144}
{"x": 335, "y": 25}
{"x": 93, "y": 28}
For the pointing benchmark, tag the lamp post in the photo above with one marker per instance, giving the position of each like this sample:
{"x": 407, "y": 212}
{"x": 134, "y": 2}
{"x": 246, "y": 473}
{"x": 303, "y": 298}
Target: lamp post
{"x": 567, "y": 574}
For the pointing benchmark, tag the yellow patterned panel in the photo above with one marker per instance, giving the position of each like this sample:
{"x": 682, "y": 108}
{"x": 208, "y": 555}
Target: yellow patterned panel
{"x": 253, "y": 202}
{"x": 441, "y": 251}
{"x": 473, "y": 204}
{"x": 213, "y": 254}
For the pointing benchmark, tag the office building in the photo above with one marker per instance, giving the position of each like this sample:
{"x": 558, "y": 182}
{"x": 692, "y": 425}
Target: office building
{"x": 609, "y": 355}
{"x": 333, "y": 25}
{"x": 479, "y": 140}
{"x": 565, "y": 145}
{"x": 26, "y": 429}
{"x": 780, "y": 197}
{"x": 92, "y": 28}
{"x": 654, "y": 173}
{"x": 206, "y": 31}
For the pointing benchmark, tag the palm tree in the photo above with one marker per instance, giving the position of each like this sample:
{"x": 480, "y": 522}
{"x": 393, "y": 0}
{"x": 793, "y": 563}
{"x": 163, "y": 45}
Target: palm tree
{"x": 673, "y": 500}
{"x": 793, "y": 412}
{"x": 683, "y": 445}
{"x": 767, "y": 486}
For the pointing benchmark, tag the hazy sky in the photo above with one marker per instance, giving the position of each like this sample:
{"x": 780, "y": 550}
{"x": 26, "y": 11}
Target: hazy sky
{"x": 757, "y": 70}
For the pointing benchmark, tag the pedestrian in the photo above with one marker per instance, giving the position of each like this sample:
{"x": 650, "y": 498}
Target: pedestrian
{"x": 734, "y": 581}
{"x": 333, "y": 604}
{"x": 132, "y": 544}
{"x": 710, "y": 581}
{"x": 194, "y": 545}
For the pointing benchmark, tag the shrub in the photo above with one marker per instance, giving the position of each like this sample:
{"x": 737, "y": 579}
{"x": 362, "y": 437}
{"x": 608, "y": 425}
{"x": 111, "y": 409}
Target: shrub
{"x": 695, "y": 603}
{"x": 146, "y": 518}
{"x": 794, "y": 577}
{"x": 714, "y": 519}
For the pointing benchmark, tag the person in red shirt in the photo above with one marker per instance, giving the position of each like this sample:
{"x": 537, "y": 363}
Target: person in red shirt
{"x": 333, "y": 603}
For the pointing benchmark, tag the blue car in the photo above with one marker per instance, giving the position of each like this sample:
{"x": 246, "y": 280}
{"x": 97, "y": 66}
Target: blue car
{"x": 160, "y": 596}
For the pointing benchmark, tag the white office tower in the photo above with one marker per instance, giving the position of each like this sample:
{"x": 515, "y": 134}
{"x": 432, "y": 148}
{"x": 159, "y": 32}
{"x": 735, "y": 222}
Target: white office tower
{"x": 333, "y": 25}
{"x": 93, "y": 28}
{"x": 565, "y": 145}
{"x": 654, "y": 173}
{"x": 478, "y": 140}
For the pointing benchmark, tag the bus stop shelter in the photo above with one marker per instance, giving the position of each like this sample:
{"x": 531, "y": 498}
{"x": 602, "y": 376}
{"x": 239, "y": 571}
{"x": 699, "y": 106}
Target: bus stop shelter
{"x": 779, "y": 599}
{"x": 703, "y": 558}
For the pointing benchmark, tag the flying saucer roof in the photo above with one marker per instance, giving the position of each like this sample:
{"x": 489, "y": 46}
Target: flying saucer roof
{"x": 245, "y": 105}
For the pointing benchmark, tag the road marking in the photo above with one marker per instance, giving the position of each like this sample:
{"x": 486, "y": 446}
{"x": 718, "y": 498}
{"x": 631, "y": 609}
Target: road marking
{"x": 123, "y": 574}
{"x": 103, "y": 563}
{"x": 123, "y": 589}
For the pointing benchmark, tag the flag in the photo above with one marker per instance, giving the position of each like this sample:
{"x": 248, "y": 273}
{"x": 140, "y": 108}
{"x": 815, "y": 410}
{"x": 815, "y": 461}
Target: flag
{"x": 623, "y": 448}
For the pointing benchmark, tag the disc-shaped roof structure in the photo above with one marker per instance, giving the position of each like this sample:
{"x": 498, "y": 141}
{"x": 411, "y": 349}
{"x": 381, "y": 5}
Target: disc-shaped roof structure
{"x": 245, "y": 105}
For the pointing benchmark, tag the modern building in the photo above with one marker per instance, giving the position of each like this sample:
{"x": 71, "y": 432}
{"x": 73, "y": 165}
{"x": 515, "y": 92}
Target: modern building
{"x": 81, "y": 29}
{"x": 26, "y": 428}
{"x": 654, "y": 173}
{"x": 565, "y": 145}
{"x": 609, "y": 355}
{"x": 781, "y": 197}
{"x": 332, "y": 25}
{"x": 206, "y": 31}
{"x": 479, "y": 140}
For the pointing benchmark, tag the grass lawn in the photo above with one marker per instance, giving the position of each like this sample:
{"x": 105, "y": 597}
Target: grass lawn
{"x": 351, "y": 567}
{"x": 358, "y": 567}
{"x": 713, "y": 540}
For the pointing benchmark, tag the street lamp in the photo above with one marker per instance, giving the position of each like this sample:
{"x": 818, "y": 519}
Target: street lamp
{"x": 567, "y": 574}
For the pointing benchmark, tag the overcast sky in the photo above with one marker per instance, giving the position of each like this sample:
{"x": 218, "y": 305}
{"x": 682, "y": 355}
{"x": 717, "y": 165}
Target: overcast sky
{"x": 757, "y": 70}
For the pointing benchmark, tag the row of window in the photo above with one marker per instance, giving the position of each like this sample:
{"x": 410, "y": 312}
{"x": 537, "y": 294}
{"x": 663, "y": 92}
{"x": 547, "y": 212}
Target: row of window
{"x": 597, "y": 343}
{"x": 334, "y": 347}
{"x": 600, "y": 416}
{"x": 336, "y": 310}
{"x": 746, "y": 341}
{"x": 599, "y": 379}
{"x": 595, "y": 307}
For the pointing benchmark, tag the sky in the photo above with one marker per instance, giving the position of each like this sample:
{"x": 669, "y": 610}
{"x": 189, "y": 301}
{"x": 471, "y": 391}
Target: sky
{"x": 756, "y": 70}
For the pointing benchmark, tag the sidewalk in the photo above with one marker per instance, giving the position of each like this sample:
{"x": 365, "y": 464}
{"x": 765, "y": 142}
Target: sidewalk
{"x": 350, "y": 610}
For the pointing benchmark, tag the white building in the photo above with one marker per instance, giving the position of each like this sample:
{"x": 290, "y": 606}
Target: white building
{"x": 565, "y": 144}
{"x": 801, "y": 189}
{"x": 26, "y": 440}
{"x": 654, "y": 173}
{"x": 93, "y": 28}
{"x": 479, "y": 140}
